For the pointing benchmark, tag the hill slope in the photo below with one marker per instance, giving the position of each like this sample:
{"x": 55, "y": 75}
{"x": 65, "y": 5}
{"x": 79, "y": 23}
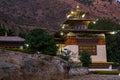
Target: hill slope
{"x": 24, "y": 15}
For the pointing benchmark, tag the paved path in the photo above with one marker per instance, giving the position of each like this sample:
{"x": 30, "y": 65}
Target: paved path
{"x": 96, "y": 77}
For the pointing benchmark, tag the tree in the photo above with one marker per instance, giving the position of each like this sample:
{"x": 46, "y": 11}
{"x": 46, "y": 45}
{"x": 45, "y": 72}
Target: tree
{"x": 3, "y": 30}
{"x": 113, "y": 48}
{"x": 110, "y": 1}
{"x": 86, "y": 2}
{"x": 10, "y": 32}
{"x": 112, "y": 41}
{"x": 104, "y": 24}
{"x": 85, "y": 59}
{"x": 22, "y": 34}
{"x": 40, "y": 41}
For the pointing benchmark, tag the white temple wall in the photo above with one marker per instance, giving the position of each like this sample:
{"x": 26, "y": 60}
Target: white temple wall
{"x": 74, "y": 55}
{"x": 73, "y": 48}
{"x": 101, "y": 54}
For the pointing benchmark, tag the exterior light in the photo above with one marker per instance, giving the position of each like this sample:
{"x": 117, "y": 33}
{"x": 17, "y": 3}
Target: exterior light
{"x": 119, "y": 74}
{"x": 78, "y": 7}
{"x": 83, "y": 15}
{"x": 62, "y": 33}
{"x": 63, "y": 27}
{"x": 94, "y": 22}
{"x": 70, "y": 34}
{"x": 27, "y": 45}
{"x": 114, "y": 32}
{"x": 68, "y": 16}
{"x": 72, "y": 12}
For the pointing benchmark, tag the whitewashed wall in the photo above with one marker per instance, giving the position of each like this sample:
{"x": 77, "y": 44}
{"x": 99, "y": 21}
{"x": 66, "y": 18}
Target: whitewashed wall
{"x": 101, "y": 54}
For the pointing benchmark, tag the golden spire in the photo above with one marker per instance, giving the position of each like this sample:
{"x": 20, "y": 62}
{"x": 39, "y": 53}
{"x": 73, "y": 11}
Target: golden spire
{"x": 76, "y": 14}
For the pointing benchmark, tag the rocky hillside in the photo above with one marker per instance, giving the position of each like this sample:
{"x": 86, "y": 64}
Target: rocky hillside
{"x": 19, "y": 66}
{"x": 24, "y": 15}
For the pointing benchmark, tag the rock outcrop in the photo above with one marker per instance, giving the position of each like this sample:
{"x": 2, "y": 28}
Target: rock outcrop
{"x": 20, "y": 66}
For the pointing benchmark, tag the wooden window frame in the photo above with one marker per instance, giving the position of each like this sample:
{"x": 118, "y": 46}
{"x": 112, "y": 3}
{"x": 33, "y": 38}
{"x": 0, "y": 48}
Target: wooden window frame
{"x": 91, "y": 49}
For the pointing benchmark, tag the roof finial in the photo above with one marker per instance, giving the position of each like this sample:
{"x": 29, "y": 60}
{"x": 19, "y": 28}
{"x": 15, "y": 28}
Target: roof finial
{"x": 78, "y": 7}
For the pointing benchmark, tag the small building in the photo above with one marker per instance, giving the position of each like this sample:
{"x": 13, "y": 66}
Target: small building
{"x": 11, "y": 42}
{"x": 79, "y": 38}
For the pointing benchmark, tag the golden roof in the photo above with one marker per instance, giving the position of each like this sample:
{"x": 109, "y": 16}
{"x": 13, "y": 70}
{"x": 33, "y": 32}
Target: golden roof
{"x": 77, "y": 17}
{"x": 76, "y": 13}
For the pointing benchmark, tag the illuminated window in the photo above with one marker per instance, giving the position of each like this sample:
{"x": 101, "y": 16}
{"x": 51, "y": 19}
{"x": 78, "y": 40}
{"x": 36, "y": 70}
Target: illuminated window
{"x": 60, "y": 48}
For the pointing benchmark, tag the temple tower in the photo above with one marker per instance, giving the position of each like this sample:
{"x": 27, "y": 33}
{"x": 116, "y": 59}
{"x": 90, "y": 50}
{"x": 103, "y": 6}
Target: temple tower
{"x": 79, "y": 38}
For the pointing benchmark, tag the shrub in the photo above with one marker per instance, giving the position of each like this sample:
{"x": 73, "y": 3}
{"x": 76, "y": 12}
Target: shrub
{"x": 85, "y": 59}
{"x": 86, "y": 2}
{"x": 64, "y": 57}
{"x": 40, "y": 41}
{"x": 28, "y": 51}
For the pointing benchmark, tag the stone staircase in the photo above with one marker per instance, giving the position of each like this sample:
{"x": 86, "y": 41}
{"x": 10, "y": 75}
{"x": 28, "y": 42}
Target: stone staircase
{"x": 109, "y": 66}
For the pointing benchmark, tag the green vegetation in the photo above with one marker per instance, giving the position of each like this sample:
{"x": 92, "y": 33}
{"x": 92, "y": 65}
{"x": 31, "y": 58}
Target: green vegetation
{"x": 85, "y": 59}
{"x": 23, "y": 35}
{"x": 113, "y": 48}
{"x": 111, "y": 1}
{"x": 104, "y": 24}
{"x": 3, "y": 30}
{"x": 86, "y": 2}
{"x": 39, "y": 41}
{"x": 112, "y": 41}
{"x": 20, "y": 50}
{"x": 89, "y": 2}
{"x": 106, "y": 72}
{"x": 64, "y": 57}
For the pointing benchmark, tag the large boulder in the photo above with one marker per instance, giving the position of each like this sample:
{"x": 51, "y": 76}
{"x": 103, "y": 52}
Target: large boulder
{"x": 20, "y": 66}
{"x": 76, "y": 69}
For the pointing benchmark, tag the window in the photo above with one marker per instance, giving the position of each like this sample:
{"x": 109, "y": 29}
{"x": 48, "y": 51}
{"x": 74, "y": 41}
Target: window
{"x": 91, "y": 49}
{"x": 82, "y": 27}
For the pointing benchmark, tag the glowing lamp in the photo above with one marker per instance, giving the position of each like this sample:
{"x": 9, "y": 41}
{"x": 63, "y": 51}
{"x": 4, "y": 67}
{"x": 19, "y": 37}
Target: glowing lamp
{"x": 61, "y": 33}
{"x": 83, "y": 15}
{"x": 114, "y": 32}
{"x": 94, "y": 22}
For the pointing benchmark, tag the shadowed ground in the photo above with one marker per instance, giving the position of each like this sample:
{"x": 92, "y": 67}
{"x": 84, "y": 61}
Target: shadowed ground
{"x": 96, "y": 77}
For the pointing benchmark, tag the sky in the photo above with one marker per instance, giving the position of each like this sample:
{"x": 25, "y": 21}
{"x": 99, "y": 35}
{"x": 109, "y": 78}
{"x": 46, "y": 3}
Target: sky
{"x": 118, "y": 0}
